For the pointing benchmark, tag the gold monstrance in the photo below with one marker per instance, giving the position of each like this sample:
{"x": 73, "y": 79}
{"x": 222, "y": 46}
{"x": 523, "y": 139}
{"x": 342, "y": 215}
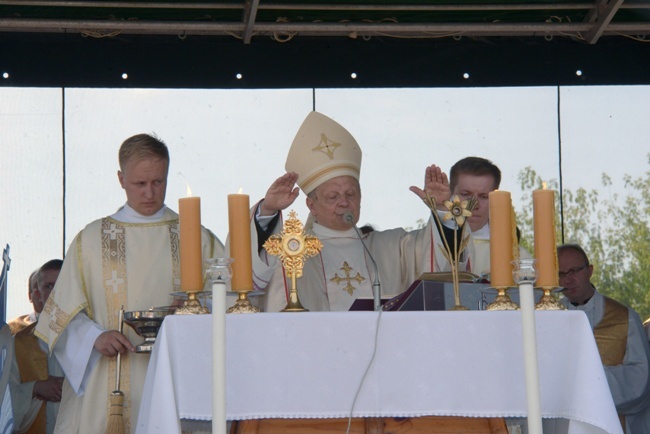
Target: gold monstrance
{"x": 293, "y": 246}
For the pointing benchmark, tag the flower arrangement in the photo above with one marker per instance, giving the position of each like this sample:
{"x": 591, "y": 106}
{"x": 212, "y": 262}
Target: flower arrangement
{"x": 459, "y": 211}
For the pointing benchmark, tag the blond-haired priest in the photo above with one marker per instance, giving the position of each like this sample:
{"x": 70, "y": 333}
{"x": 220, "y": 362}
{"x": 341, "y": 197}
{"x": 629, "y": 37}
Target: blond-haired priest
{"x": 129, "y": 259}
{"x": 325, "y": 161}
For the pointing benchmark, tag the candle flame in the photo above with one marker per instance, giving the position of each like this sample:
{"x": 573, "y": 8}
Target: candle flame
{"x": 241, "y": 190}
{"x": 189, "y": 191}
{"x": 544, "y": 185}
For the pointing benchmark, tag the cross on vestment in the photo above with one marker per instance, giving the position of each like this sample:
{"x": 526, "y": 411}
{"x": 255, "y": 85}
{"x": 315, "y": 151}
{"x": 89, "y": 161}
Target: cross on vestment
{"x": 114, "y": 281}
{"x": 348, "y": 278}
{"x": 113, "y": 231}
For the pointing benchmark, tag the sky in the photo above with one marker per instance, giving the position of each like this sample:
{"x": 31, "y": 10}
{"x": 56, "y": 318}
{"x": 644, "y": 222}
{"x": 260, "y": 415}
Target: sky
{"x": 59, "y": 149}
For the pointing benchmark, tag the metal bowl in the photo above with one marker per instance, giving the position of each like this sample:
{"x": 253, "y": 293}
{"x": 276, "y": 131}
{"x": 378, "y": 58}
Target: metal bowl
{"x": 146, "y": 323}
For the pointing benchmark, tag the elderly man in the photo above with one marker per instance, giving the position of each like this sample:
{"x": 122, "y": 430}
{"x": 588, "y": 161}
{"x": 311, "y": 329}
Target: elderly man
{"x": 36, "y": 379}
{"x": 19, "y": 323}
{"x": 129, "y": 259}
{"x": 620, "y": 337}
{"x": 470, "y": 177}
{"x": 325, "y": 160}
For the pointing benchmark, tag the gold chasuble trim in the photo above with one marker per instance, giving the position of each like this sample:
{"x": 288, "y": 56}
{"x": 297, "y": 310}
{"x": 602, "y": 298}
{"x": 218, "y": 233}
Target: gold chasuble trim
{"x": 115, "y": 284}
{"x": 84, "y": 287}
{"x": 611, "y": 336}
{"x": 33, "y": 367}
{"x": 176, "y": 256}
{"x": 58, "y": 318}
{"x": 611, "y": 333}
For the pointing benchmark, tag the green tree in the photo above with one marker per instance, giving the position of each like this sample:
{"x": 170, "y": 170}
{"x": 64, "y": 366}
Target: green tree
{"x": 614, "y": 231}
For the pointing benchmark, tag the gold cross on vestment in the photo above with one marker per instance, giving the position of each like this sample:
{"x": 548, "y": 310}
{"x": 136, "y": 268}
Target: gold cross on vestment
{"x": 348, "y": 278}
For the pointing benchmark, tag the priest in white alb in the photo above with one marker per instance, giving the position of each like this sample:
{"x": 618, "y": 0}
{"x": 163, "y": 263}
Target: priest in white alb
{"x": 129, "y": 259}
{"x": 325, "y": 161}
{"x": 469, "y": 177}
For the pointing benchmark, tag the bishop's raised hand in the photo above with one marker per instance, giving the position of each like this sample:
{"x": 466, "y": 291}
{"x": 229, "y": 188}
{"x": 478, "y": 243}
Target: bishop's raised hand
{"x": 281, "y": 194}
{"x": 436, "y": 185}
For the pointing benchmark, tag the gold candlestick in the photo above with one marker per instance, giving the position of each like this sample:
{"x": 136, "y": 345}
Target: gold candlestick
{"x": 293, "y": 246}
{"x": 548, "y": 302}
{"x": 192, "y": 305}
{"x": 502, "y": 301}
{"x": 243, "y": 303}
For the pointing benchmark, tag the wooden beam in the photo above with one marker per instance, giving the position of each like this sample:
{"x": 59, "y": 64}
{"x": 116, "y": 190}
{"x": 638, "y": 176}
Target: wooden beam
{"x": 250, "y": 15}
{"x": 600, "y": 17}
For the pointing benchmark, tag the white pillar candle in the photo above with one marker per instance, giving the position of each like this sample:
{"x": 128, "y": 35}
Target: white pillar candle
{"x": 527, "y": 302}
{"x": 219, "y": 358}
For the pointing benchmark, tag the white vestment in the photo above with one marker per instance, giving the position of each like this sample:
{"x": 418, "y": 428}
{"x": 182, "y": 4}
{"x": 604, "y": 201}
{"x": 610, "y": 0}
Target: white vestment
{"x": 113, "y": 262}
{"x": 629, "y": 382}
{"x": 343, "y": 271}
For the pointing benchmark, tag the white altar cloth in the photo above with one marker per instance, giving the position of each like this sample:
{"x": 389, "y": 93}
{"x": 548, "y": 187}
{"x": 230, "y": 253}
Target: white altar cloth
{"x": 310, "y": 365}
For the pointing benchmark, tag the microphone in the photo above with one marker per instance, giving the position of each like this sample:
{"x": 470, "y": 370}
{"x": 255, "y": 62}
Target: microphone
{"x": 376, "y": 286}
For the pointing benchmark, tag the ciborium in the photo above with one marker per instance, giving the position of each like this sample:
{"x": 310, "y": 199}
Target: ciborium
{"x": 146, "y": 323}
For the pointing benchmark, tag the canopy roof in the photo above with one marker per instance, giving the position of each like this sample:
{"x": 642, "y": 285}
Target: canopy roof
{"x": 295, "y": 43}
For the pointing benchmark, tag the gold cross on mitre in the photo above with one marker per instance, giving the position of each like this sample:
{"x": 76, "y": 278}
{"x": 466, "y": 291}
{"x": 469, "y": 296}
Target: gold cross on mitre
{"x": 293, "y": 246}
{"x": 326, "y": 146}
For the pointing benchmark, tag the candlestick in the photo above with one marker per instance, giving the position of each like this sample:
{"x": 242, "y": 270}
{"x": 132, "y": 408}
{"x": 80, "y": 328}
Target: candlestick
{"x": 219, "y": 272}
{"x": 189, "y": 210}
{"x": 500, "y": 239}
{"x": 525, "y": 274}
{"x": 219, "y": 358}
{"x": 240, "y": 251}
{"x": 545, "y": 248}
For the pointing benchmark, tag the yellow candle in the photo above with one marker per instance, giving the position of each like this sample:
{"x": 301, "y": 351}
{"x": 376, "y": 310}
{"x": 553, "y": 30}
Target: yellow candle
{"x": 189, "y": 211}
{"x": 240, "y": 242}
{"x": 501, "y": 239}
{"x": 545, "y": 248}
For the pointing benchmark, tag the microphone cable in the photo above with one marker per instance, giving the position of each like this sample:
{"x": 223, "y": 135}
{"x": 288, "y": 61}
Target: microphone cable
{"x": 376, "y": 285}
{"x": 365, "y": 374}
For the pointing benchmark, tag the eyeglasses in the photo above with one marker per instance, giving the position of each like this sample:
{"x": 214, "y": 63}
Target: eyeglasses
{"x": 571, "y": 272}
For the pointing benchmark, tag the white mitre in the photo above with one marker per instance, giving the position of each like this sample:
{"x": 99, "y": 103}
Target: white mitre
{"x": 322, "y": 150}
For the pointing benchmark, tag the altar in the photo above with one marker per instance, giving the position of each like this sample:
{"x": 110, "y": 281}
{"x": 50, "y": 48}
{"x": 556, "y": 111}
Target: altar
{"x": 437, "y": 363}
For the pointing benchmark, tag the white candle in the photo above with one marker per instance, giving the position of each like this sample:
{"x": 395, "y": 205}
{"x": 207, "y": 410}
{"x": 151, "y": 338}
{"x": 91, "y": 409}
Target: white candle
{"x": 219, "y": 358}
{"x": 527, "y": 301}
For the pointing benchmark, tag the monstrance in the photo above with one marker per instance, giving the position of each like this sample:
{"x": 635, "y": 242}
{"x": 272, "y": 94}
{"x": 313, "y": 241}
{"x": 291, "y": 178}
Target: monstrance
{"x": 293, "y": 246}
